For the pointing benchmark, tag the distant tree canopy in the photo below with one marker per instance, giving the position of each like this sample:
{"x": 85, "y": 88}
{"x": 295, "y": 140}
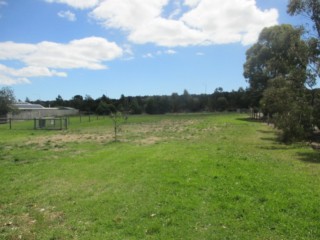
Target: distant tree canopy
{"x": 218, "y": 101}
{"x": 6, "y": 100}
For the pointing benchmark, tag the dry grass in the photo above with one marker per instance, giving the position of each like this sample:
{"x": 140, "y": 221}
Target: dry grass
{"x": 68, "y": 138}
{"x": 139, "y": 133}
{"x": 22, "y": 226}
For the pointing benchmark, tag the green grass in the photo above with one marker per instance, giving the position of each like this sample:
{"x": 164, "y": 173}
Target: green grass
{"x": 196, "y": 176}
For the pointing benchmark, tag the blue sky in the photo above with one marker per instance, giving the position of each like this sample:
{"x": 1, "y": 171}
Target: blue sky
{"x": 131, "y": 47}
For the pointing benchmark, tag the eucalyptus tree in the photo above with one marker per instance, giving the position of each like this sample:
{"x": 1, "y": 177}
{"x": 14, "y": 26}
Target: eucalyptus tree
{"x": 310, "y": 9}
{"x": 277, "y": 70}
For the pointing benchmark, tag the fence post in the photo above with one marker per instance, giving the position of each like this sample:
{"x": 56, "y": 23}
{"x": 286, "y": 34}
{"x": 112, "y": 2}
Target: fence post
{"x": 66, "y": 123}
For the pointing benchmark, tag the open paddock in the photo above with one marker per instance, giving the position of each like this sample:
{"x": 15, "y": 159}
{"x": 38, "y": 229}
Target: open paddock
{"x": 185, "y": 176}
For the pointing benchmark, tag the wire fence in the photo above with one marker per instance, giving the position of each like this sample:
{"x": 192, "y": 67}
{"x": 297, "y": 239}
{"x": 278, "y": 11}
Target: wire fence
{"x": 50, "y": 123}
{"x": 16, "y": 123}
{"x": 88, "y": 117}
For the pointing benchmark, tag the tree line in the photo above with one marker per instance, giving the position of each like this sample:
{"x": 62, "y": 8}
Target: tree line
{"x": 219, "y": 100}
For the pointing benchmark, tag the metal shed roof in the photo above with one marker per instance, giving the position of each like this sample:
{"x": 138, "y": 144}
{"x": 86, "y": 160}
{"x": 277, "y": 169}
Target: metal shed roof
{"x": 22, "y": 106}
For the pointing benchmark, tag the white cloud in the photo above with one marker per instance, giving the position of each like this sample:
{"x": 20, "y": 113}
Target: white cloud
{"x": 8, "y": 81}
{"x": 128, "y": 15}
{"x": 43, "y": 59}
{"x": 30, "y": 71}
{"x": 11, "y": 50}
{"x": 89, "y": 53}
{"x": 230, "y": 21}
{"x": 68, "y": 15}
{"x": 200, "y": 54}
{"x": 11, "y": 76}
{"x": 166, "y": 32}
{"x": 81, "y": 4}
{"x": 204, "y": 22}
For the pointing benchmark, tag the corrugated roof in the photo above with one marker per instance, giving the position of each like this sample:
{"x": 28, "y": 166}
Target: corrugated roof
{"x": 28, "y": 106}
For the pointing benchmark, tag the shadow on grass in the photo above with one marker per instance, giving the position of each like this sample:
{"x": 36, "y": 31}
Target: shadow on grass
{"x": 275, "y": 138}
{"x": 275, "y": 147}
{"x": 265, "y": 131}
{"x": 278, "y": 144}
{"x": 249, "y": 119}
{"x": 310, "y": 157}
{"x": 270, "y": 139}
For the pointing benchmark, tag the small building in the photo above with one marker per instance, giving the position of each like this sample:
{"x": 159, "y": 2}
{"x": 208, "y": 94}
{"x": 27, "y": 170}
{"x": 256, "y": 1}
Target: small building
{"x": 31, "y": 111}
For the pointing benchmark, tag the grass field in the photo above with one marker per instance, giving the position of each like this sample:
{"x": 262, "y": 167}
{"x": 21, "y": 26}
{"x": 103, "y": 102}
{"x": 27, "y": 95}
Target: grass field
{"x": 196, "y": 176}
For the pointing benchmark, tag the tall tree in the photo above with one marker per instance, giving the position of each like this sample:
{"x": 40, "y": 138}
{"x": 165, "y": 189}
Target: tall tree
{"x": 277, "y": 71}
{"x": 278, "y": 52}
